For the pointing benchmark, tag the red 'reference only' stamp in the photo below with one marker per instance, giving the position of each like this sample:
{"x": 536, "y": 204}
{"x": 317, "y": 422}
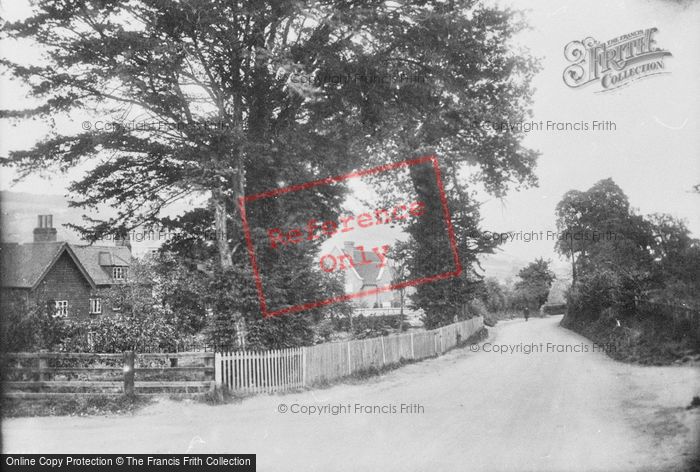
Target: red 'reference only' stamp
{"x": 366, "y": 266}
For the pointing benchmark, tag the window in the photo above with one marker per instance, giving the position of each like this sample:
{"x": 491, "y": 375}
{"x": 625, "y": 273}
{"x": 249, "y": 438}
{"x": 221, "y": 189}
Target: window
{"x": 95, "y": 306}
{"x": 119, "y": 273}
{"x": 61, "y": 308}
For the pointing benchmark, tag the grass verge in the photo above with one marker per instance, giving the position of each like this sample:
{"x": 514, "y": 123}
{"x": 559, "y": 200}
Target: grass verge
{"x": 646, "y": 341}
{"x": 77, "y": 406}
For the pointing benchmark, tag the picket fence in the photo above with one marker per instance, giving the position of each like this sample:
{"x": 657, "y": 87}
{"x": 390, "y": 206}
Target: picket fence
{"x": 287, "y": 369}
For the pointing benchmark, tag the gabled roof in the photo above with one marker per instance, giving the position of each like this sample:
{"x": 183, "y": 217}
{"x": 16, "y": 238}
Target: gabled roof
{"x": 96, "y": 259}
{"x": 25, "y": 265}
{"x": 368, "y": 273}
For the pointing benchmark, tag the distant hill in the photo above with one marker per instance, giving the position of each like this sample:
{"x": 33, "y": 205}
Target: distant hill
{"x": 19, "y": 212}
{"x": 504, "y": 266}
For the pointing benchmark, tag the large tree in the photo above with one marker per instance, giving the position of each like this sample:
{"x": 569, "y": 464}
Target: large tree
{"x": 620, "y": 257}
{"x": 230, "y": 91}
{"x": 495, "y": 295}
{"x": 431, "y": 249}
{"x": 597, "y": 227}
{"x": 587, "y": 220}
{"x": 676, "y": 257}
{"x": 535, "y": 280}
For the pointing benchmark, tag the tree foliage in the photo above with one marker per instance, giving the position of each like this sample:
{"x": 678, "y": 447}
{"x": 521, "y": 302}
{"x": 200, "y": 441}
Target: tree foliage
{"x": 621, "y": 258}
{"x": 535, "y": 281}
{"x": 231, "y": 92}
{"x": 429, "y": 250}
{"x": 495, "y": 295}
{"x": 227, "y": 78}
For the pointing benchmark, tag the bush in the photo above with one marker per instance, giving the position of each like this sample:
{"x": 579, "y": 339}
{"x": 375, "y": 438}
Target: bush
{"x": 324, "y": 331}
{"x": 593, "y": 294}
{"x": 476, "y": 308}
{"x": 147, "y": 332}
{"x": 28, "y": 329}
{"x": 374, "y": 326}
{"x": 32, "y": 328}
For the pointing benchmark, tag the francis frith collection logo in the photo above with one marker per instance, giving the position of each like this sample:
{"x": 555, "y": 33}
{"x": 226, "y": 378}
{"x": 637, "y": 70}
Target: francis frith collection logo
{"x": 616, "y": 62}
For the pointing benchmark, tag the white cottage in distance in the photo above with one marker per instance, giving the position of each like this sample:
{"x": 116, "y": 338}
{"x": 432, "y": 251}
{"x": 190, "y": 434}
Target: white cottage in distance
{"x": 367, "y": 272}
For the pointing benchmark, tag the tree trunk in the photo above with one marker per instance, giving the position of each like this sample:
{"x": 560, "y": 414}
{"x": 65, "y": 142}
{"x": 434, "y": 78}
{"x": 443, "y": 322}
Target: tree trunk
{"x": 221, "y": 231}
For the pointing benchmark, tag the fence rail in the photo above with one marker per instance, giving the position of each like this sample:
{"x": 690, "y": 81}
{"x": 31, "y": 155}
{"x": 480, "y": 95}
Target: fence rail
{"x": 40, "y": 375}
{"x": 287, "y": 369}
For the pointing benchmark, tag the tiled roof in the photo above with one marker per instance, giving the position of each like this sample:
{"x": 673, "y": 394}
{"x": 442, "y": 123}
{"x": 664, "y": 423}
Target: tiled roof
{"x": 369, "y": 273}
{"x": 24, "y": 265}
{"x": 91, "y": 256}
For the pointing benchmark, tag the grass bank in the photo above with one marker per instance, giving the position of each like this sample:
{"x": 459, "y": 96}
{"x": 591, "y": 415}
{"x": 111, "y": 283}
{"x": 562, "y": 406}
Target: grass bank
{"x": 647, "y": 339}
{"x": 93, "y": 405}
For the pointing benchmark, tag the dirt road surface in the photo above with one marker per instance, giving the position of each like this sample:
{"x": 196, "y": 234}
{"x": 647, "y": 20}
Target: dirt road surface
{"x": 481, "y": 411}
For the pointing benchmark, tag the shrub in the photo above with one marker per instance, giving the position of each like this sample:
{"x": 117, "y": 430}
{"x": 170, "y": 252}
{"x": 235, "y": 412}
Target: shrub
{"x": 593, "y": 294}
{"x": 145, "y": 332}
{"x": 28, "y": 329}
{"x": 476, "y": 307}
{"x": 374, "y": 326}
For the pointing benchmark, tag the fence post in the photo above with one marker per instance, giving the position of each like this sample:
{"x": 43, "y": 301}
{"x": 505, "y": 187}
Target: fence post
{"x": 413, "y": 351}
{"x": 383, "y": 351}
{"x": 303, "y": 366}
{"x": 349, "y": 362}
{"x": 218, "y": 377}
{"x": 209, "y": 362}
{"x": 43, "y": 365}
{"x": 129, "y": 373}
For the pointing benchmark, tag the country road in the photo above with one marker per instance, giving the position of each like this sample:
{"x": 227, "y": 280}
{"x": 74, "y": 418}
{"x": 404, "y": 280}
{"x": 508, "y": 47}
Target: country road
{"x": 469, "y": 411}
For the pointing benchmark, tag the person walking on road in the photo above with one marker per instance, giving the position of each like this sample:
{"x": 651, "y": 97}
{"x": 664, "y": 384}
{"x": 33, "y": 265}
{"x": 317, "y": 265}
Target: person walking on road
{"x": 527, "y": 312}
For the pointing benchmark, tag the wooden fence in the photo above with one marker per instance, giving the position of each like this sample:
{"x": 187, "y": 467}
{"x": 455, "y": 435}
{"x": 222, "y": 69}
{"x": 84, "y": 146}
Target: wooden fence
{"x": 286, "y": 369}
{"x": 268, "y": 371}
{"x": 40, "y": 375}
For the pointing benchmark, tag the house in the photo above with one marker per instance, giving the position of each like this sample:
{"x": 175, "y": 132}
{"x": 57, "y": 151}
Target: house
{"x": 71, "y": 278}
{"x": 368, "y": 274}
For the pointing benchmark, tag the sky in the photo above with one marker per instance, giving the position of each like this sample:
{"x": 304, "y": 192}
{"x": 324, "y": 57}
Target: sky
{"x": 652, "y": 153}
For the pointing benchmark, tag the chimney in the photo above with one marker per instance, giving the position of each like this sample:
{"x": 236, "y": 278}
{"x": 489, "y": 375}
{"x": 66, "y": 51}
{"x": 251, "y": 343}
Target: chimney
{"x": 349, "y": 247}
{"x": 45, "y": 232}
